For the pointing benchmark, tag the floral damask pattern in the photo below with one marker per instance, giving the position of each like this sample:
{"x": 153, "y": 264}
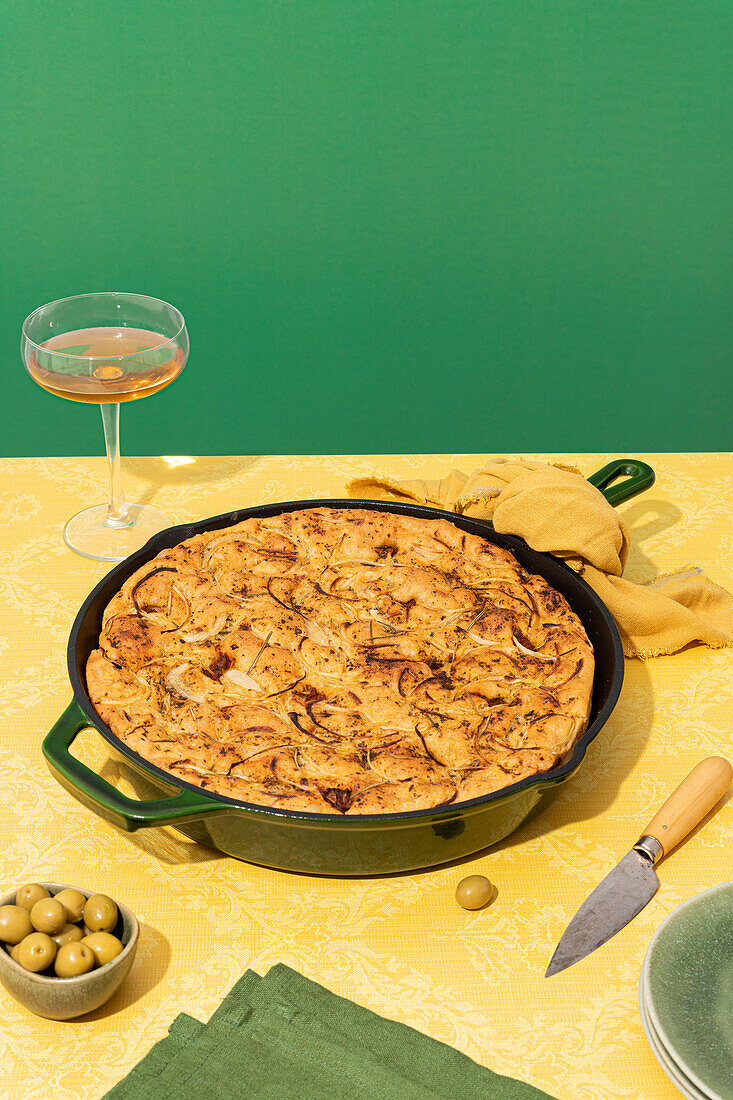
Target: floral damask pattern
{"x": 399, "y": 945}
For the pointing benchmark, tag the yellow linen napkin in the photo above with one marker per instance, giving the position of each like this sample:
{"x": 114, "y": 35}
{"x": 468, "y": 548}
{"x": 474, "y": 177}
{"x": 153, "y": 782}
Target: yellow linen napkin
{"x": 557, "y": 511}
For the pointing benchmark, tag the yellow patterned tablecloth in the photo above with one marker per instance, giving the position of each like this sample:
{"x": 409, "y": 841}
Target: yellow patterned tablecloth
{"x": 399, "y": 945}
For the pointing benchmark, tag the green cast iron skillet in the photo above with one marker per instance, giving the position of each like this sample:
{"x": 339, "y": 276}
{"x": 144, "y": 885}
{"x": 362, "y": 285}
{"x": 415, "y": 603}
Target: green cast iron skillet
{"x": 334, "y": 844}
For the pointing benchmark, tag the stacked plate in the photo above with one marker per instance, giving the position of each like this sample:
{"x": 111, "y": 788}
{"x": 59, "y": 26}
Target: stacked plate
{"x": 686, "y": 995}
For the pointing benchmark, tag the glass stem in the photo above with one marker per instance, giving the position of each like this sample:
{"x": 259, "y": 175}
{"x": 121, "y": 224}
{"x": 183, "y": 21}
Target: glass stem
{"x": 117, "y": 515}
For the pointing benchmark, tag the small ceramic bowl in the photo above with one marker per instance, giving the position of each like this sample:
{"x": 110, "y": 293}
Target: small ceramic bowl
{"x": 64, "y": 998}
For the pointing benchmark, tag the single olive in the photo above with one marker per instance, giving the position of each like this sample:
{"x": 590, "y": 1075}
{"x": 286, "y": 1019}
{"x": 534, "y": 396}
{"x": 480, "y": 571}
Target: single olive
{"x": 36, "y": 951}
{"x": 14, "y": 951}
{"x": 48, "y": 915}
{"x": 28, "y": 895}
{"x": 73, "y": 959}
{"x": 70, "y": 933}
{"x": 100, "y": 913}
{"x": 73, "y": 902}
{"x": 474, "y": 892}
{"x": 15, "y": 923}
{"x": 104, "y": 946}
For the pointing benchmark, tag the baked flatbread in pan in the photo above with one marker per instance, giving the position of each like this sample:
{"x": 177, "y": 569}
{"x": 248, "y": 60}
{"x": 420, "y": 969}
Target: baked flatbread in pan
{"x": 343, "y": 661}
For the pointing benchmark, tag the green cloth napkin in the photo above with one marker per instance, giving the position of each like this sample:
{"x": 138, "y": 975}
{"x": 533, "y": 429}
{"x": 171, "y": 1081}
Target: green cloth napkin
{"x": 283, "y": 1037}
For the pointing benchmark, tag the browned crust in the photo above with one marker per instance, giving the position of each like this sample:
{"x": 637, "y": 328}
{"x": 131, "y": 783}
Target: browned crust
{"x": 346, "y": 661}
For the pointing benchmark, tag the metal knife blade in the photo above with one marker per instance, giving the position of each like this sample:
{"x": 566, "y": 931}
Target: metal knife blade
{"x": 623, "y": 893}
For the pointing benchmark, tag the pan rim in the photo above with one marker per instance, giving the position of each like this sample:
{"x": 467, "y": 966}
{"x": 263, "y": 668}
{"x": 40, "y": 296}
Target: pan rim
{"x": 171, "y": 536}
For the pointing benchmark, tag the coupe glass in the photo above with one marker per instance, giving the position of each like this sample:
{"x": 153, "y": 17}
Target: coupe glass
{"x": 104, "y": 349}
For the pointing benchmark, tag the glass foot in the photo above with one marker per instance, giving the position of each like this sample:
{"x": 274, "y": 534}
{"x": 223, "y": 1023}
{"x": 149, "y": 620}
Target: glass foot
{"x": 88, "y": 533}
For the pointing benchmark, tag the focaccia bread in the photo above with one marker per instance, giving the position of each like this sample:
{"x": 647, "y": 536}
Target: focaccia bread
{"x": 343, "y": 661}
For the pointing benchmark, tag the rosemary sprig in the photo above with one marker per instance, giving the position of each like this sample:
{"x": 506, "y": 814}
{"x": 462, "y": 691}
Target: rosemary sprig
{"x": 330, "y": 556}
{"x": 259, "y": 653}
{"x": 482, "y": 729}
{"x": 479, "y": 614}
{"x": 476, "y": 736}
{"x": 388, "y": 627}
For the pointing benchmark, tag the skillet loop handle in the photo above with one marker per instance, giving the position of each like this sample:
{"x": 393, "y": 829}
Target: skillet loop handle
{"x": 99, "y": 795}
{"x": 640, "y": 476}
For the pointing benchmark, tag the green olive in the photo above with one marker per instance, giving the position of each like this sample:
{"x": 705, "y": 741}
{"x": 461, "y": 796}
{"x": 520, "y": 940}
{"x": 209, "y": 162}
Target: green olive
{"x": 73, "y": 902}
{"x": 100, "y": 913}
{"x": 14, "y": 951}
{"x": 49, "y": 916}
{"x": 70, "y": 933}
{"x": 36, "y": 952}
{"x": 474, "y": 892}
{"x": 28, "y": 895}
{"x": 73, "y": 959}
{"x": 104, "y": 946}
{"x": 15, "y": 923}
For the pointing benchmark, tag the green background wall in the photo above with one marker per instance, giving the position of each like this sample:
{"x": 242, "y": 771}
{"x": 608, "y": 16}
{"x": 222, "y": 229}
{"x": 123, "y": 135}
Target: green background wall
{"x": 394, "y": 225}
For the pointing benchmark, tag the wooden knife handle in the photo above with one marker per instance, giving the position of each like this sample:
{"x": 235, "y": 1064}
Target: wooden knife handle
{"x": 687, "y": 806}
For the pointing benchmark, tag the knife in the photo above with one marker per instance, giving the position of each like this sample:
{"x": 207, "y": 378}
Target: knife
{"x": 633, "y": 882}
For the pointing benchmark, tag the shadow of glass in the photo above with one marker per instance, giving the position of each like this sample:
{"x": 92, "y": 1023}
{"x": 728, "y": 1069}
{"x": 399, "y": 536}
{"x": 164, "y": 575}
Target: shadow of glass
{"x": 181, "y": 471}
{"x": 152, "y": 959}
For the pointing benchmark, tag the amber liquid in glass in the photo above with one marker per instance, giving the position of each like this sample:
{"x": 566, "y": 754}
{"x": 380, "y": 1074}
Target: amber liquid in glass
{"x": 91, "y": 367}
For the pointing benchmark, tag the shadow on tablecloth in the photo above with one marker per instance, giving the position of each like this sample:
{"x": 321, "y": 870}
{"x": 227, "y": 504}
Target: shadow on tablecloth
{"x": 186, "y": 477}
{"x": 151, "y": 963}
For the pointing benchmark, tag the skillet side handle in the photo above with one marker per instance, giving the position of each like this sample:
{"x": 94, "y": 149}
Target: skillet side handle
{"x": 98, "y": 795}
{"x": 639, "y": 474}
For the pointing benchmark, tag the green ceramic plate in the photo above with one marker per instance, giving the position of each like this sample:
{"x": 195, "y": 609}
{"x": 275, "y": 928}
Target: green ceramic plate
{"x": 687, "y": 989}
{"x": 688, "y": 1089}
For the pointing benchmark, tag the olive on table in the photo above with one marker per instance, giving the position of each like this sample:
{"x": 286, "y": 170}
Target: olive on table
{"x": 70, "y": 933}
{"x": 73, "y": 902}
{"x": 73, "y": 959}
{"x": 100, "y": 913}
{"x": 29, "y": 894}
{"x": 15, "y": 923}
{"x": 36, "y": 952}
{"x": 49, "y": 916}
{"x": 105, "y": 947}
{"x": 474, "y": 892}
